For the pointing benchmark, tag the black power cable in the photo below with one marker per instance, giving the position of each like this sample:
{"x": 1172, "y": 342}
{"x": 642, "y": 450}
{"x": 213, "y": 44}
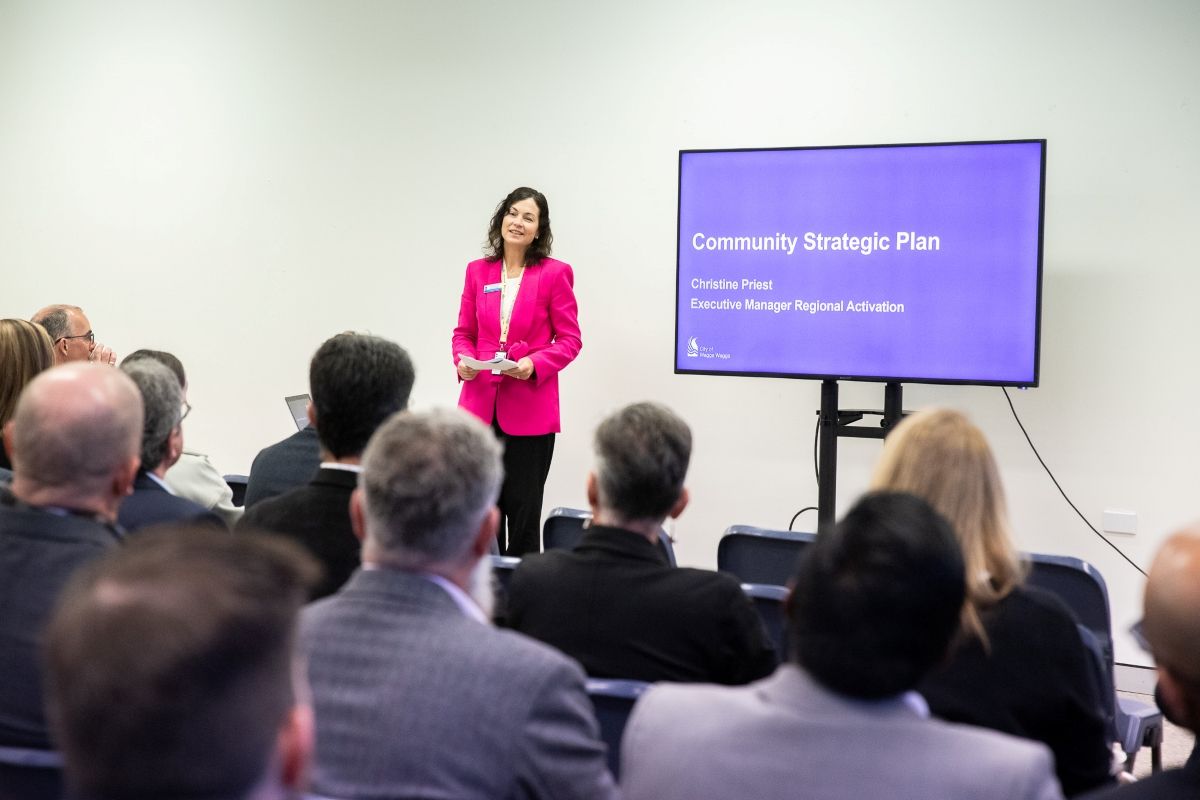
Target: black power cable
{"x": 1060, "y": 489}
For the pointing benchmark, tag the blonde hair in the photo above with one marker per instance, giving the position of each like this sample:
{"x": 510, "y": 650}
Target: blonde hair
{"x": 25, "y": 350}
{"x": 940, "y": 456}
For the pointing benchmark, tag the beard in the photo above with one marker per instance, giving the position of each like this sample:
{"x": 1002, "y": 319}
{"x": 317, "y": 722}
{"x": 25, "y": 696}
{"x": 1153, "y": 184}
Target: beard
{"x": 482, "y": 589}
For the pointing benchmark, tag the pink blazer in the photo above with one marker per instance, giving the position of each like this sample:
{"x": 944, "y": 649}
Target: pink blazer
{"x": 544, "y": 326}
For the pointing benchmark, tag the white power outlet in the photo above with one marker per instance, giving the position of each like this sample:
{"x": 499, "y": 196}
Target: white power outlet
{"x": 1118, "y": 521}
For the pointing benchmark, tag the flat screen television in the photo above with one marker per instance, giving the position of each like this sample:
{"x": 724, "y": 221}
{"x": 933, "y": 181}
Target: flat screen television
{"x": 908, "y": 263}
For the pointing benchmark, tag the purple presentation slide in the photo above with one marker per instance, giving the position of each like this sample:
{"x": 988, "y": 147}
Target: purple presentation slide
{"x": 899, "y": 262}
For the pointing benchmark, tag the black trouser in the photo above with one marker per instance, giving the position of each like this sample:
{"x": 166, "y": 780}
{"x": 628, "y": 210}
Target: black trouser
{"x": 526, "y": 465}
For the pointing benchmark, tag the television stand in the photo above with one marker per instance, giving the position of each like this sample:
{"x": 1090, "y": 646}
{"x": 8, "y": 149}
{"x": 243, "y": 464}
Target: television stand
{"x": 835, "y": 423}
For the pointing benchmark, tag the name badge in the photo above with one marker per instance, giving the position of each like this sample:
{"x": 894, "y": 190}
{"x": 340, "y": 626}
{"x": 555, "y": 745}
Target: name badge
{"x": 491, "y": 287}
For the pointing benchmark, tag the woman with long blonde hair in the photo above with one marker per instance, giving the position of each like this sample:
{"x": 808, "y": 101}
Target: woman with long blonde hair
{"x": 25, "y": 350}
{"x": 1020, "y": 666}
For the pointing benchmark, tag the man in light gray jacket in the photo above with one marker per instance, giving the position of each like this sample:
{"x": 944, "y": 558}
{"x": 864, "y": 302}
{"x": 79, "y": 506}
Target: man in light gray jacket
{"x": 875, "y": 604}
{"x": 416, "y": 694}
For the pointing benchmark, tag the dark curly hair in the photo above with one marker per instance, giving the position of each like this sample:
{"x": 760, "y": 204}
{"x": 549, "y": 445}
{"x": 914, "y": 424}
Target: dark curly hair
{"x": 541, "y": 245}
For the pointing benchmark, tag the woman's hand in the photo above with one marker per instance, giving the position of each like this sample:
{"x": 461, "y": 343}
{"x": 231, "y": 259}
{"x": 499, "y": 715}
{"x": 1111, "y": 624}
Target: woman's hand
{"x": 522, "y": 371}
{"x": 465, "y": 372}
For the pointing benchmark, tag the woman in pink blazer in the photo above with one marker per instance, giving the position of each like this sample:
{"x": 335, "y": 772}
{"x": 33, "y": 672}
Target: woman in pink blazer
{"x": 519, "y": 302}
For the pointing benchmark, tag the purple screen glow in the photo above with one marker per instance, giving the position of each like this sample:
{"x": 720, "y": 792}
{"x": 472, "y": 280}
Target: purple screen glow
{"x": 909, "y": 263}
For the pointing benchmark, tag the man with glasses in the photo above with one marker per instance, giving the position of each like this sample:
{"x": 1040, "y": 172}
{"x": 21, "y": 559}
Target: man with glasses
{"x": 152, "y": 501}
{"x": 72, "y": 335}
{"x": 1170, "y": 631}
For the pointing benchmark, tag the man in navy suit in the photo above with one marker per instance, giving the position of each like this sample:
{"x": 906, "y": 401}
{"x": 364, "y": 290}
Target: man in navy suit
{"x": 74, "y": 443}
{"x": 152, "y": 501}
{"x": 357, "y": 382}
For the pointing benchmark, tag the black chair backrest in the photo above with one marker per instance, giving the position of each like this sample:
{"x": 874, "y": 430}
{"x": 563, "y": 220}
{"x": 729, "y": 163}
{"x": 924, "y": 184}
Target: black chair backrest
{"x": 768, "y": 602}
{"x": 238, "y": 484}
{"x": 1082, "y": 588}
{"x": 760, "y": 555}
{"x": 30, "y": 774}
{"x": 612, "y": 701}
{"x": 502, "y": 570}
{"x": 564, "y": 529}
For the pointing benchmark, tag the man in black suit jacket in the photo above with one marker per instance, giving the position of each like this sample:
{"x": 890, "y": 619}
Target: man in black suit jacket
{"x": 152, "y": 502}
{"x": 1170, "y": 630}
{"x": 74, "y": 443}
{"x": 283, "y": 466}
{"x": 614, "y": 603}
{"x": 356, "y": 382}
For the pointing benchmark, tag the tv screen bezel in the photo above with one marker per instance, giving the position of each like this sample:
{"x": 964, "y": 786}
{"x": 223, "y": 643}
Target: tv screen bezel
{"x": 1037, "y": 333}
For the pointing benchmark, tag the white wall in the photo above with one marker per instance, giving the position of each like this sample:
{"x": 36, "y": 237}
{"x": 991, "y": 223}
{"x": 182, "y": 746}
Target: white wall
{"x": 235, "y": 181}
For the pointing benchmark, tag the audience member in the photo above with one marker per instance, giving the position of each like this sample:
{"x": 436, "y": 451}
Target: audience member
{"x": 356, "y": 382}
{"x": 614, "y": 603}
{"x": 171, "y": 672}
{"x": 152, "y": 501}
{"x": 25, "y": 350}
{"x": 74, "y": 443}
{"x": 875, "y": 605}
{"x": 71, "y": 335}
{"x": 416, "y": 695}
{"x": 193, "y": 476}
{"x": 1021, "y": 667}
{"x": 283, "y": 466}
{"x": 1170, "y": 631}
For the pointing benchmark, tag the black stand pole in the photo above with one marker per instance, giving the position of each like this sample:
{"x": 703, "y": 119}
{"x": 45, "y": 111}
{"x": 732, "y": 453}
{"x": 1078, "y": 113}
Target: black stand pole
{"x": 827, "y": 459}
{"x": 835, "y": 423}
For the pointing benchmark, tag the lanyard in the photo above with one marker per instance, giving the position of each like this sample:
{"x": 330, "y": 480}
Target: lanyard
{"x": 505, "y": 318}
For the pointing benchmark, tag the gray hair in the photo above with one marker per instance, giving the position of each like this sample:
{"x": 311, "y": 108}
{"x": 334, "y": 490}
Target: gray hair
{"x": 75, "y": 426}
{"x": 56, "y": 320}
{"x": 428, "y": 480}
{"x": 163, "y": 400}
{"x": 642, "y": 454}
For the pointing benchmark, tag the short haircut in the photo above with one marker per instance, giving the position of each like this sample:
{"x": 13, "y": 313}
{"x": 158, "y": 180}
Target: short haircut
{"x": 428, "y": 480}
{"x": 56, "y": 320}
{"x": 357, "y": 381}
{"x": 545, "y": 237}
{"x": 75, "y": 426}
{"x": 168, "y": 360}
{"x": 642, "y": 454}
{"x": 169, "y": 664}
{"x": 162, "y": 398}
{"x": 25, "y": 350}
{"x": 877, "y": 598}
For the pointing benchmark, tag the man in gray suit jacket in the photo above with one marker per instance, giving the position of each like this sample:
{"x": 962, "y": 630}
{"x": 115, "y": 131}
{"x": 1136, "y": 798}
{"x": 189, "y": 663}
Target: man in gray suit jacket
{"x": 415, "y": 693}
{"x": 876, "y": 603}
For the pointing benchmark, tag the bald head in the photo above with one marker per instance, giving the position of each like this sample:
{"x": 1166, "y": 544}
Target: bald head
{"x": 1172, "y": 606}
{"x": 76, "y": 430}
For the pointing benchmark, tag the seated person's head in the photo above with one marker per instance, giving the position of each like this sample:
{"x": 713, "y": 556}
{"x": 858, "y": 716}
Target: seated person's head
{"x": 162, "y": 397}
{"x": 941, "y": 457}
{"x": 357, "y": 381}
{"x": 25, "y": 350}
{"x": 427, "y": 497}
{"x": 642, "y": 454}
{"x": 1171, "y": 625}
{"x": 70, "y": 332}
{"x": 877, "y": 598}
{"x": 170, "y": 670}
{"x": 74, "y": 438}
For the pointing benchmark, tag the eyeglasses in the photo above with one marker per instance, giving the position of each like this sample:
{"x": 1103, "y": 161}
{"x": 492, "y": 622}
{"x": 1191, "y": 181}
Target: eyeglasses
{"x": 1138, "y": 631}
{"x": 184, "y": 410}
{"x": 90, "y": 336}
